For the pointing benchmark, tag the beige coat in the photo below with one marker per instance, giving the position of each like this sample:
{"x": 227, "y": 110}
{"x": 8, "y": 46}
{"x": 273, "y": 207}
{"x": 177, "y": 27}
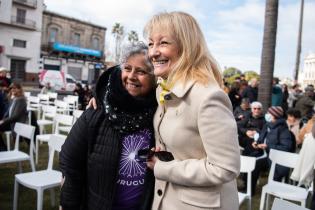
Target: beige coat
{"x": 196, "y": 124}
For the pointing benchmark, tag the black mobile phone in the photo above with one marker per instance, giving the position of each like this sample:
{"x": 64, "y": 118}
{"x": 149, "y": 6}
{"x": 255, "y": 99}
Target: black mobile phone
{"x": 145, "y": 154}
{"x": 164, "y": 156}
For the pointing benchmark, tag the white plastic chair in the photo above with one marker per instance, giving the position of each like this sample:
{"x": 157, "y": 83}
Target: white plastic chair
{"x": 65, "y": 124}
{"x": 52, "y": 97}
{"x": 41, "y": 180}
{"x": 73, "y": 102}
{"x": 27, "y": 94}
{"x": 279, "y": 189}
{"x": 8, "y": 135}
{"x": 247, "y": 166}
{"x": 43, "y": 99}
{"x": 76, "y": 114}
{"x": 34, "y": 105}
{"x": 60, "y": 119}
{"x": 15, "y": 155}
{"x": 48, "y": 112}
{"x": 62, "y": 107}
{"x": 279, "y": 204}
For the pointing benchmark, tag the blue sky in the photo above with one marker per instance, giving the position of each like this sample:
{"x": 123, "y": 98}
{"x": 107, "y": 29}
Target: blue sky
{"x": 233, "y": 28}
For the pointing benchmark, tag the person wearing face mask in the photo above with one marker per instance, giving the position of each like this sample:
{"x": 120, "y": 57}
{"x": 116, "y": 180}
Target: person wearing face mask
{"x": 194, "y": 124}
{"x": 274, "y": 135}
{"x": 99, "y": 159}
{"x": 16, "y": 112}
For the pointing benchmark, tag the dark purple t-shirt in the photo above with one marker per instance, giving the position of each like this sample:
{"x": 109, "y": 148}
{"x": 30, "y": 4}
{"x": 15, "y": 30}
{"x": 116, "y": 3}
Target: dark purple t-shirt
{"x": 132, "y": 170}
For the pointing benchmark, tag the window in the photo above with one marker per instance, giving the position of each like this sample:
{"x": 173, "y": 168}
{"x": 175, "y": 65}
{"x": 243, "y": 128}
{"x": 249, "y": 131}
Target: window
{"x": 53, "y": 34}
{"x": 76, "y": 39}
{"x": 20, "y": 16}
{"x": 95, "y": 43}
{"x": 19, "y": 43}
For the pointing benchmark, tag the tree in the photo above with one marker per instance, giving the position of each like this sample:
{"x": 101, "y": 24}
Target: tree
{"x": 133, "y": 37}
{"x": 231, "y": 71}
{"x": 298, "y": 48}
{"x": 118, "y": 32}
{"x": 268, "y": 52}
{"x": 251, "y": 74}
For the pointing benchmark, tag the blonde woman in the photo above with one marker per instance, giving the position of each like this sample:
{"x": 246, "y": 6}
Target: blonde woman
{"x": 193, "y": 122}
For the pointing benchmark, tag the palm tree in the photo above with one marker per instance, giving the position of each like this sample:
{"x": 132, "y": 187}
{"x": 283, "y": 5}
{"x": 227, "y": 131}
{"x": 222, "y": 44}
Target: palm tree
{"x": 268, "y": 53}
{"x": 118, "y": 32}
{"x": 133, "y": 37}
{"x": 298, "y": 48}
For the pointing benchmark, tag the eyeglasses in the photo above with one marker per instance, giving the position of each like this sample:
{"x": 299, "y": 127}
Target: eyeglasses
{"x": 256, "y": 108}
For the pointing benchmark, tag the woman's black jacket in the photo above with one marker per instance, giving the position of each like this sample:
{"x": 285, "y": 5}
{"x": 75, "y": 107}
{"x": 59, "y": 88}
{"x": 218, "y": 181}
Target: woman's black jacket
{"x": 89, "y": 161}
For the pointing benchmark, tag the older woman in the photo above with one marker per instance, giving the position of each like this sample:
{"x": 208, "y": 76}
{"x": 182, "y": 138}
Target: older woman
{"x": 193, "y": 122}
{"x": 99, "y": 160}
{"x": 16, "y": 112}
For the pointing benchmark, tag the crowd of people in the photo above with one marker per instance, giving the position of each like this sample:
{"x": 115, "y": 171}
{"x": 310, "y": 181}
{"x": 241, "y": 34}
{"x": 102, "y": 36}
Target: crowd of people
{"x": 282, "y": 126}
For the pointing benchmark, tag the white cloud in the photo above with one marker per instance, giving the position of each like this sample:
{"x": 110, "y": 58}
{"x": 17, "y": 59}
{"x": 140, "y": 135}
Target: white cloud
{"x": 234, "y": 33}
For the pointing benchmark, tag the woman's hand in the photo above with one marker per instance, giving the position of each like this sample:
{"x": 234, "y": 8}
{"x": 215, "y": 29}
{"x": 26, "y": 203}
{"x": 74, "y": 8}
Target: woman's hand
{"x": 259, "y": 146}
{"x": 92, "y": 103}
{"x": 152, "y": 160}
{"x": 262, "y": 146}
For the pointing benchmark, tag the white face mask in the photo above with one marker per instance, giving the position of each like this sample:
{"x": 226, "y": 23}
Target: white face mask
{"x": 268, "y": 117}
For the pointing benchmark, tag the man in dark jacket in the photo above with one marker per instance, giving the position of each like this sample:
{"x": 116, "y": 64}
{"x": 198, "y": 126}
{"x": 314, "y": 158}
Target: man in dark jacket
{"x": 274, "y": 135}
{"x": 251, "y": 91}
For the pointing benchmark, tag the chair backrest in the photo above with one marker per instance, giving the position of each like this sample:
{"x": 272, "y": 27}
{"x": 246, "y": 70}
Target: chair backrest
{"x": 247, "y": 166}
{"x": 76, "y": 114}
{"x": 52, "y": 95}
{"x": 32, "y": 100}
{"x": 47, "y": 109}
{"x": 55, "y": 142}
{"x": 26, "y": 131}
{"x": 287, "y": 159}
{"x": 61, "y": 104}
{"x": 279, "y": 204}
{"x": 62, "y": 119}
{"x": 72, "y": 101}
{"x": 27, "y": 94}
{"x": 43, "y": 98}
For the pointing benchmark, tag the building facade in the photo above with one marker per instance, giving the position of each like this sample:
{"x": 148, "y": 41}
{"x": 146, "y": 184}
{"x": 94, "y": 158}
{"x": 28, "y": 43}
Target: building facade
{"x": 307, "y": 75}
{"x": 72, "y": 46}
{"x": 20, "y": 37}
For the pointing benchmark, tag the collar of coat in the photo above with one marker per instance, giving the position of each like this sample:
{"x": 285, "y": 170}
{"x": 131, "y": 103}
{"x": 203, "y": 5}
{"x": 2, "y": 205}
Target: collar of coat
{"x": 179, "y": 89}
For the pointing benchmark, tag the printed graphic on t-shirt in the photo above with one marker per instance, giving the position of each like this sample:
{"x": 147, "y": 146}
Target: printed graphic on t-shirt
{"x": 132, "y": 170}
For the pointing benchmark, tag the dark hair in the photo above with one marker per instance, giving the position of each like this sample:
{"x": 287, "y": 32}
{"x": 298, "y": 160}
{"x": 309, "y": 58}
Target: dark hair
{"x": 276, "y": 80}
{"x": 245, "y": 100}
{"x": 294, "y": 112}
{"x": 17, "y": 86}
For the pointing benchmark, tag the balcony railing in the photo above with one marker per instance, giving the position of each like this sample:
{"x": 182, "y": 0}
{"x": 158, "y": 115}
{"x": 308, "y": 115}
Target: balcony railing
{"x": 25, "y": 23}
{"x": 29, "y": 3}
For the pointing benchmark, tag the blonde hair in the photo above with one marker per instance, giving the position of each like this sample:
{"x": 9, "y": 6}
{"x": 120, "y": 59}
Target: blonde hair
{"x": 195, "y": 61}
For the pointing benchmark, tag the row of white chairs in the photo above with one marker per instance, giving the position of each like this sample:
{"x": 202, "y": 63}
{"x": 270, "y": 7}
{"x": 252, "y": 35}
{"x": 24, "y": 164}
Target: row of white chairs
{"x": 44, "y": 179}
{"x": 68, "y": 104}
{"x": 274, "y": 188}
{"x": 37, "y": 180}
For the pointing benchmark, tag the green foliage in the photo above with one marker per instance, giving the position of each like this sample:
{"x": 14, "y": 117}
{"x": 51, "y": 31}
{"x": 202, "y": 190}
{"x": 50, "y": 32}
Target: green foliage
{"x": 231, "y": 71}
{"x": 251, "y": 74}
